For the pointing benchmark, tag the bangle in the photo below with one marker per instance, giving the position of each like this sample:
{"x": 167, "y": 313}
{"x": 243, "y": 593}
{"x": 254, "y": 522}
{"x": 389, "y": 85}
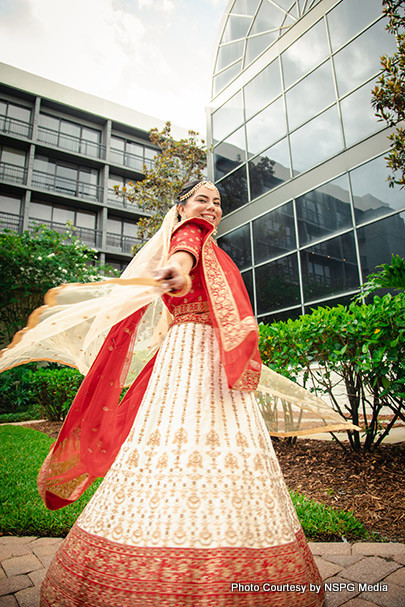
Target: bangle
{"x": 184, "y": 290}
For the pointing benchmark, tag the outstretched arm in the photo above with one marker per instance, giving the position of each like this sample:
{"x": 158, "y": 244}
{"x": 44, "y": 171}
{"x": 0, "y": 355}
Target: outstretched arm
{"x": 174, "y": 276}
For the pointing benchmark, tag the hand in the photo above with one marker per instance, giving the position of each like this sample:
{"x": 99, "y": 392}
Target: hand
{"x": 172, "y": 277}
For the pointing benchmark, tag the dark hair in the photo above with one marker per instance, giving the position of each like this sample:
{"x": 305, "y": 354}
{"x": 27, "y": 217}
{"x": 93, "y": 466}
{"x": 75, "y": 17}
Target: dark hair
{"x": 186, "y": 188}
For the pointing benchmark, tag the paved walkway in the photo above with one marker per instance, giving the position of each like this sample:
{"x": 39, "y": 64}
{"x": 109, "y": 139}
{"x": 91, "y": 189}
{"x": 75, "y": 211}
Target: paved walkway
{"x": 356, "y": 575}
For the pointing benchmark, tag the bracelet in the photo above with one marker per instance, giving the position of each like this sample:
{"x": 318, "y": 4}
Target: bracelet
{"x": 184, "y": 290}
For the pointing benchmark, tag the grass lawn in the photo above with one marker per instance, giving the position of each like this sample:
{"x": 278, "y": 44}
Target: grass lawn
{"x": 22, "y": 512}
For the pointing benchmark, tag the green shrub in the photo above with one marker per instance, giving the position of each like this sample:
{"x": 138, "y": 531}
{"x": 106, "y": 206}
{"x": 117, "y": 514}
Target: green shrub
{"x": 54, "y": 390}
{"x": 364, "y": 345}
{"x": 33, "y": 412}
{"x": 15, "y": 389}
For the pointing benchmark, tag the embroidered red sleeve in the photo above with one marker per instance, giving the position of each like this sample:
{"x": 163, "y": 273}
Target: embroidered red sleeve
{"x": 187, "y": 238}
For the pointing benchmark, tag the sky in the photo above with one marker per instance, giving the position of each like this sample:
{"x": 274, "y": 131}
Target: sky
{"x": 154, "y": 56}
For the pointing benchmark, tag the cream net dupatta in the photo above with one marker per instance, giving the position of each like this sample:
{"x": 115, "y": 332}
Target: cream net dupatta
{"x": 76, "y": 318}
{"x": 290, "y": 410}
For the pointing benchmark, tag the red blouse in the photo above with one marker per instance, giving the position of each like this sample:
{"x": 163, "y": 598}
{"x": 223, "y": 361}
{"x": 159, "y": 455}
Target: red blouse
{"x": 192, "y": 307}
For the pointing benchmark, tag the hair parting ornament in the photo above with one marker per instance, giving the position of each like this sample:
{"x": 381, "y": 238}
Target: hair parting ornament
{"x": 207, "y": 184}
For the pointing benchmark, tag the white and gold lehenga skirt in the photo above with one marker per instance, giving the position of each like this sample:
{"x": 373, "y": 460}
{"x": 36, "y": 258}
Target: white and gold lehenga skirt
{"x": 194, "y": 511}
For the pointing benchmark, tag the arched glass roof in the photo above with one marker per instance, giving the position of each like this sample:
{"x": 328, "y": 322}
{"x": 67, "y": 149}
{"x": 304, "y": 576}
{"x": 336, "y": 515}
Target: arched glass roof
{"x": 250, "y": 27}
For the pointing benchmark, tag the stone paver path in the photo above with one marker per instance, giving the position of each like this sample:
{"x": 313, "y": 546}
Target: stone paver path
{"x": 355, "y": 575}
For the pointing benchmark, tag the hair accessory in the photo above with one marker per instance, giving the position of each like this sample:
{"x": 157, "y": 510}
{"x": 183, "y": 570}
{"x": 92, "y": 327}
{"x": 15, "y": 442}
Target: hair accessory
{"x": 207, "y": 184}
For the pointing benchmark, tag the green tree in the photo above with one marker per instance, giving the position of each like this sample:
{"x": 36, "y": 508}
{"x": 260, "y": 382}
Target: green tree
{"x": 388, "y": 96}
{"x": 176, "y": 163}
{"x": 391, "y": 276}
{"x": 35, "y": 261}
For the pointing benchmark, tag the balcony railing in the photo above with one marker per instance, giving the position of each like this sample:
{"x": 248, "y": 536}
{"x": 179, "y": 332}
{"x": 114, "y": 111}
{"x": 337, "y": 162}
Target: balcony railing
{"x": 71, "y": 143}
{"x": 8, "y": 221}
{"x": 132, "y": 161}
{"x": 122, "y": 203}
{"x": 118, "y": 200}
{"x": 86, "y": 235}
{"x": 13, "y": 126}
{"x": 12, "y": 173}
{"x": 121, "y": 242}
{"x": 68, "y": 187}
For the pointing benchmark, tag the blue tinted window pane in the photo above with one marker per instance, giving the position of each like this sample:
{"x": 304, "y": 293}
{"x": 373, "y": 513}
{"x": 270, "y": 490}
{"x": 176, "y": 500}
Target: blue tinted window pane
{"x": 266, "y": 127}
{"x": 329, "y": 268}
{"x": 324, "y": 211}
{"x": 277, "y": 284}
{"x": 233, "y": 190}
{"x": 316, "y": 141}
{"x": 262, "y": 89}
{"x": 359, "y": 120}
{"x": 371, "y": 195}
{"x": 344, "y": 300}
{"x": 228, "y": 54}
{"x": 310, "y": 96}
{"x": 229, "y": 154}
{"x": 237, "y": 245}
{"x": 378, "y": 241}
{"x": 270, "y": 169}
{"x": 248, "y": 280}
{"x": 360, "y": 60}
{"x": 227, "y": 118}
{"x": 268, "y": 319}
{"x": 257, "y": 45}
{"x": 348, "y": 18}
{"x": 274, "y": 233}
{"x": 307, "y": 52}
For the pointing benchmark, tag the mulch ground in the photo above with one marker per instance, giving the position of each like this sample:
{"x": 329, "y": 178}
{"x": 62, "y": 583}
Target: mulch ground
{"x": 371, "y": 485}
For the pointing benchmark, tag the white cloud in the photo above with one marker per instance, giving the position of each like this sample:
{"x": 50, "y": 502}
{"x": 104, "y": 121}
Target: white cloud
{"x": 158, "y": 5}
{"x": 151, "y": 55}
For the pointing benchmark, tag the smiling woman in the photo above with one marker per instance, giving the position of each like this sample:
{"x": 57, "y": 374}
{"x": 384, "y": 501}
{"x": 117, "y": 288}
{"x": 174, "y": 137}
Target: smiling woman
{"x": 193, "y": 501}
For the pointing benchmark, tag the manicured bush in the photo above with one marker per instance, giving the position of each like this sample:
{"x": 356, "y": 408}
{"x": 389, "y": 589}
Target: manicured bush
{"x": 15, "y": 389}
{"x": 54, "y": 390}
{"x": 364, "y": 345}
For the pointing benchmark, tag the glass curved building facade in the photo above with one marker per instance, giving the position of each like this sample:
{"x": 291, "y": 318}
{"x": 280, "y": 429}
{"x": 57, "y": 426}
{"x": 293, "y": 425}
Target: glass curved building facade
{"x": 298, "y": 154}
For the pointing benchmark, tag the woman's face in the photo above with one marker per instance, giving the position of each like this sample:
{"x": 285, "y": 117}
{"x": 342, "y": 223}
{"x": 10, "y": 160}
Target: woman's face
{"x": 204, "y": 203}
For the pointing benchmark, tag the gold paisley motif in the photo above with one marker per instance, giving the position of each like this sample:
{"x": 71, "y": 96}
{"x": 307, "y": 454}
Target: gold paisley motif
{"x": 154, "y": 438}
{"x": 180, "y": 437}
{"x": 195, "y": 460}
{"x": 212, "y": 439}
{"x": 241, "y": 440}
{"x": 133, "y": 458}
{"x": 162, "y": 461}
{"x": 231, "y": 461}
